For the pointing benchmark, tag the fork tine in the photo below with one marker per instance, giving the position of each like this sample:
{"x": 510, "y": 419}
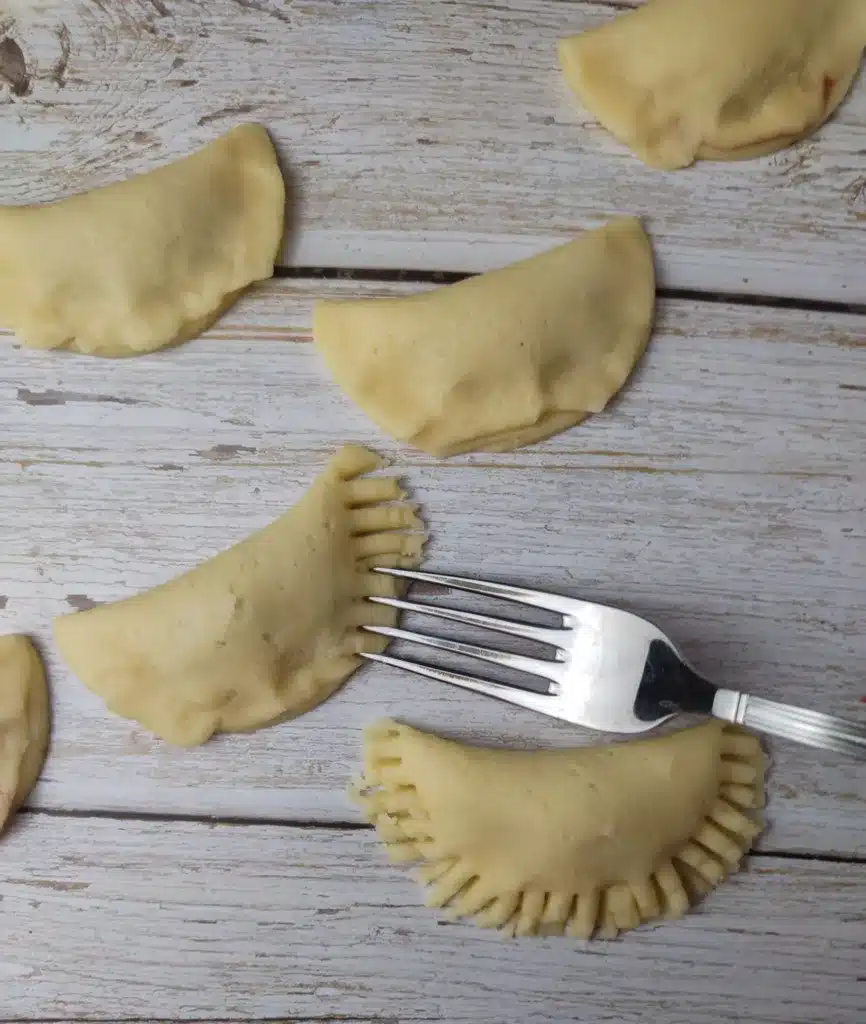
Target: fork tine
{"x": 532, "y": 666}
{"x": 542, "y": 634}
{"x": 511, "y": 694}
{"x": 520, "y": 595}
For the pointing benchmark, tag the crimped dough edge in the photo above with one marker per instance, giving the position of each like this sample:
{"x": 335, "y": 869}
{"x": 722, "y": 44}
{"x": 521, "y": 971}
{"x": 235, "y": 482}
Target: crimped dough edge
{"x": 713, "y": 851}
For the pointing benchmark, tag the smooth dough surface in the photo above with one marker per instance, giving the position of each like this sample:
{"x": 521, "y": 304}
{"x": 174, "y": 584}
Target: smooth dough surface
{"x": 264, "y": 631}
{"x": 504, "y": 359}
{"x": 583, "y": 842}
{"x": 147, "y": 262}
{"x": 24, "y": 721}
{"x": 681, "y": 80}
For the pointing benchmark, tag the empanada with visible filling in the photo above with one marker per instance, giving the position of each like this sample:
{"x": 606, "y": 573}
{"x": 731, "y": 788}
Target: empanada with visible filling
{"x": 585, "y": 842}
{"x": 681, "y": 80}
{"x": 24, "y": 722}
{"x": 147, "y": 262}
{"x": 500, "y": 360}
{"x": 264, "y": 631}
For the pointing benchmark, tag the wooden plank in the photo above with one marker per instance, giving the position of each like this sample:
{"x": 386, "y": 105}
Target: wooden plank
{"x": 430, "y": 135}
{"x": 723, "y": 388}
{"x": 186, "y": 920}
{"x": 722, "y": 496}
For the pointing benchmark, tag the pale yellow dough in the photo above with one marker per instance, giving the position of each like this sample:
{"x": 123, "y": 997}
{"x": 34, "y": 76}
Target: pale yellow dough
{"x": 587, "y": 842}
{"x": 504, "y": 359}
{"x": 24, "y": 722}
{"x": 264, "y": 631}
{"x": 681, "y": 80}
{"x": 148, "y": 262}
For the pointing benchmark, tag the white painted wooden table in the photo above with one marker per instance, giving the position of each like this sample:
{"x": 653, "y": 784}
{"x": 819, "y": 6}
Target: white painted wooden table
{"x": 723, "y": 495}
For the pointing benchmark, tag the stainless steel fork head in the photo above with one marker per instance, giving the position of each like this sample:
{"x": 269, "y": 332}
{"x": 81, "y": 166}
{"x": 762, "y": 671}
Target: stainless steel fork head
{"x": 608, "y": 669}
{"x": 598, "y": 657}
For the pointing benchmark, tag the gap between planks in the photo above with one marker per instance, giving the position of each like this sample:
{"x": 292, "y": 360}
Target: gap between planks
{"x": 328, "y": 1018}
{"x": 445, "y": 277}
{"x": 237, "y": 821}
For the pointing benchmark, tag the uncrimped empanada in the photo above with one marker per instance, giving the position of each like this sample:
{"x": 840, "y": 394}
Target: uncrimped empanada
{"x": 24, "y": 722}
{"x": 504, "y": 359}
{"x": 680, "y": 80}
{"x": 264, "y": 631}
{"x": 584, "y": 842}
{"x": 148, "y": 262}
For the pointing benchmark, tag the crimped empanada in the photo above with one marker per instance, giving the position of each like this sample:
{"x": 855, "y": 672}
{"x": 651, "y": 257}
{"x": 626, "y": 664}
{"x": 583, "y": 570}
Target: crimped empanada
{"x": 264, "y": 631}
{"x": 585, "y": 842}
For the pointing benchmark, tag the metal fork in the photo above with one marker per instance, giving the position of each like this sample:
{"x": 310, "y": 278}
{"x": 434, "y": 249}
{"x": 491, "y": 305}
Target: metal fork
{"x": 609, "y": 670}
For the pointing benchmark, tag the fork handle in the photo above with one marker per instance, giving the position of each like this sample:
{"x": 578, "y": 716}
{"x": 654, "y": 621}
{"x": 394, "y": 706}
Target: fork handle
{"x": 791, "y": 723}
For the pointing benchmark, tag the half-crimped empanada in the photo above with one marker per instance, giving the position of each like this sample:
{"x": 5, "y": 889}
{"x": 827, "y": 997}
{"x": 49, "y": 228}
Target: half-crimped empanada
{"x": 680, "y": 80}
{"x": 148, "y": 262}
{"x": 24, "y": 722}
{"x": 585, "y": 842}
{"x": 264, "y": 631}
{"x": 504, "y": 359}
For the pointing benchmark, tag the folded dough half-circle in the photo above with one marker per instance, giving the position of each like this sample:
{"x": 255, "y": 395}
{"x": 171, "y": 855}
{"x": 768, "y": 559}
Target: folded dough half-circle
{"x": 681, "y": 80}
{"x": 264, "y": 631}
{"x": 503, "y": 359}
{"x": 148, "y": 262}
{"x": 583, "y": 842}
{"x": 24, "y": 721}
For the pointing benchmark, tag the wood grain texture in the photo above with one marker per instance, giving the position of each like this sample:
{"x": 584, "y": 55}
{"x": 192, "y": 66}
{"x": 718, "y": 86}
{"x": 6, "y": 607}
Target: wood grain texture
{"x": 431, "y": 135}
{"x": 722, "y": 496}
{"x": 173, "y": 921}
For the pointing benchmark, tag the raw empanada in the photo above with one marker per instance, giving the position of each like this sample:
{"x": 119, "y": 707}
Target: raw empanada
{"x": 504, "y": 359}
{"x": 264, "y": 631}
{"x": 24, "y": 722}
{"x": 680, "y": 80}
{"x": 585, "y": 842}
{"x": 148, "y": 262}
